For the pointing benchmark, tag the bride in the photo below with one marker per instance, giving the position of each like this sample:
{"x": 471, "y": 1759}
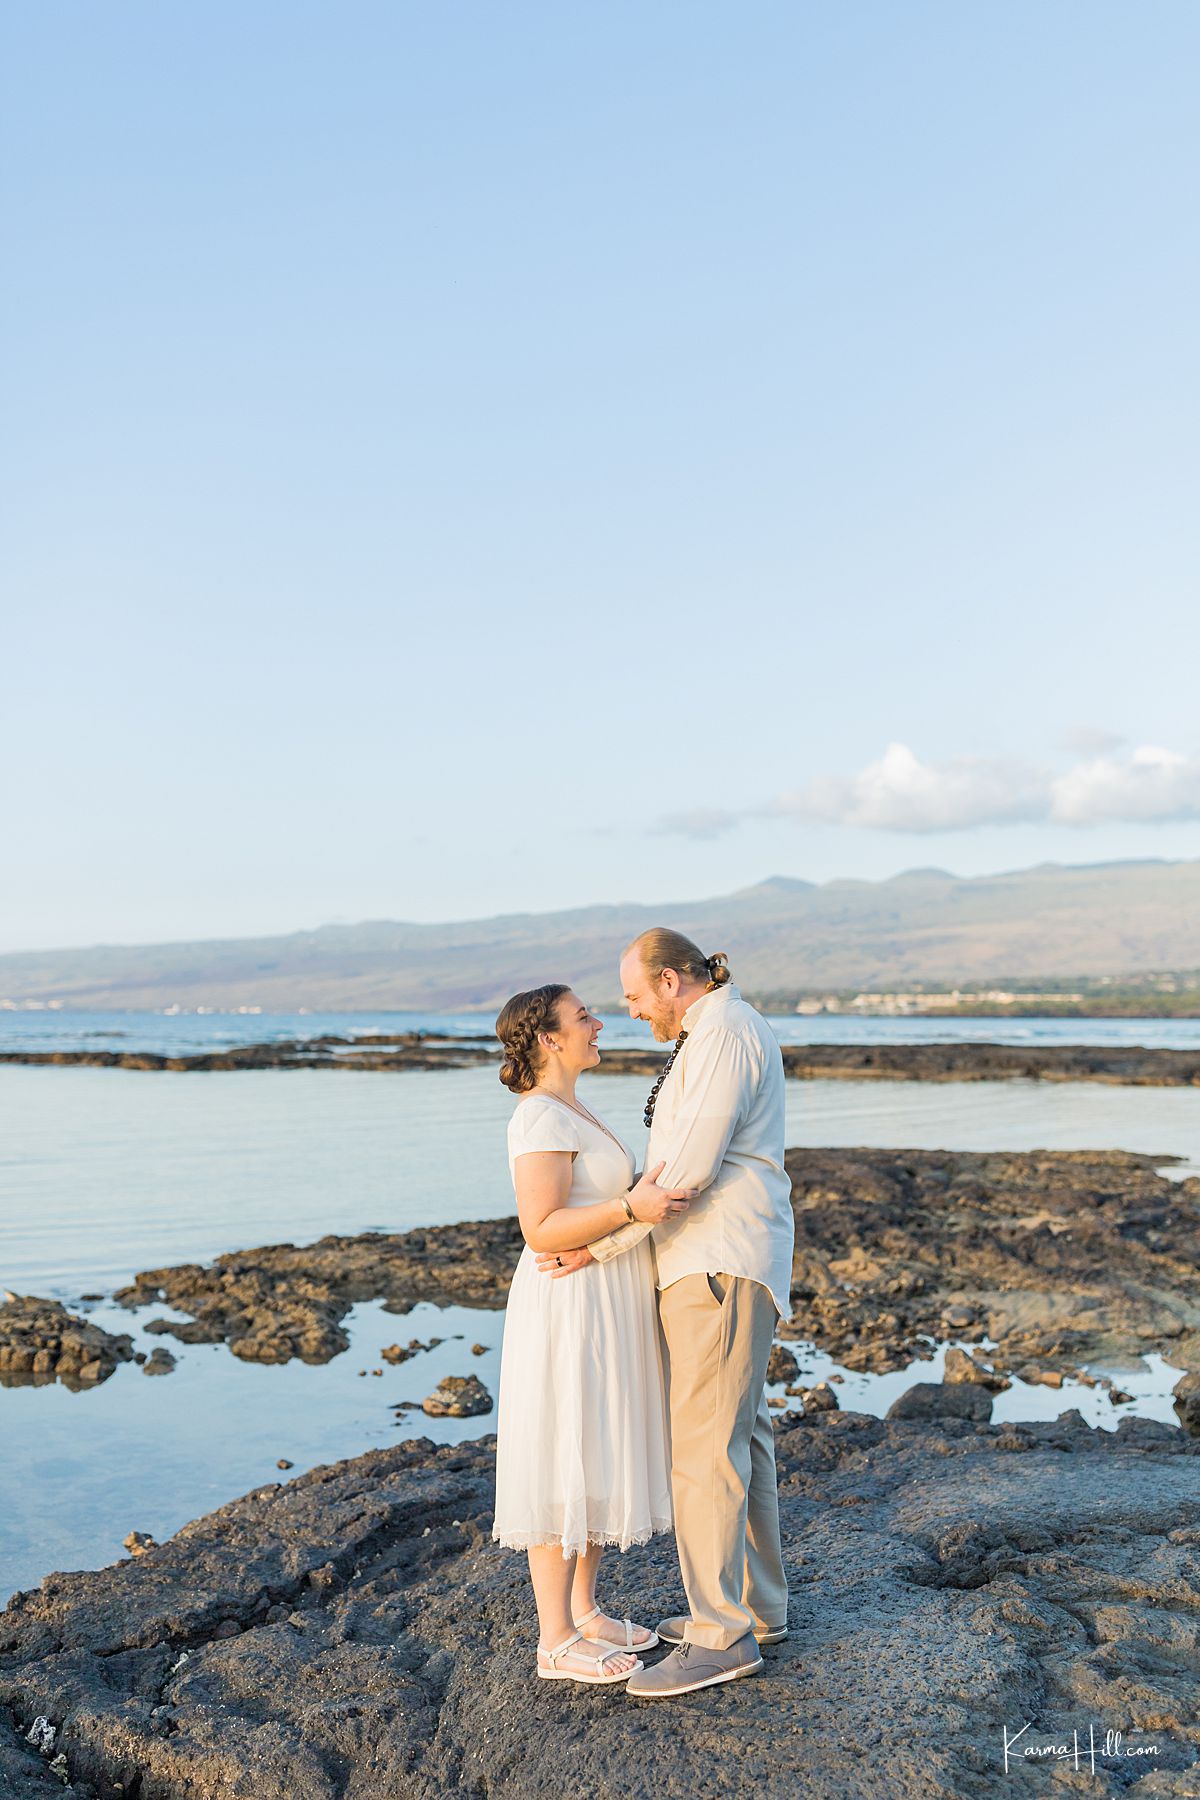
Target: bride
{"x": 582, "y": 1449}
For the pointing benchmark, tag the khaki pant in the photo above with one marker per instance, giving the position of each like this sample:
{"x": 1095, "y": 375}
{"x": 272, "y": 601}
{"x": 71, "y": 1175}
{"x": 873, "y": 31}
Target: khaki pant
{"x": 719, "y": 1330}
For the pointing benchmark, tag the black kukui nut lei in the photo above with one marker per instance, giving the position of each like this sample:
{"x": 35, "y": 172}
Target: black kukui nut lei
{"x": 666, "y": 1070}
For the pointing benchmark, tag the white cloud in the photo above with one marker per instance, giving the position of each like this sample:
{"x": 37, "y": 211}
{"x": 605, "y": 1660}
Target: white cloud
{"x": 901, "y": 793}
{"x": 1152, "y": 785}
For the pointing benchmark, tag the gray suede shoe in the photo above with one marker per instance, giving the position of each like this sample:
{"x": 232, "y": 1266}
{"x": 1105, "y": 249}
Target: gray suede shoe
{"x": 671, "y": 1631}
{"x": 691, "y": 1667}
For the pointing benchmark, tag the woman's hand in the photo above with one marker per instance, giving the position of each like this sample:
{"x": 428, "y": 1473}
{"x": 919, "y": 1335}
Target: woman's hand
{"x": 563, "y": 1262}
{"x": 652, "y": 1204}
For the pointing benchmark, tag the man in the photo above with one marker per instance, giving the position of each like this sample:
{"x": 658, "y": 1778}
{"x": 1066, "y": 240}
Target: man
{"x": 716, "y": 1119}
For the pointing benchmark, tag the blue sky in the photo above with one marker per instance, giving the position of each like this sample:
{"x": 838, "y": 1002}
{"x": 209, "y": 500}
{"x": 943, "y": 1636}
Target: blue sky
{"x": 475, "y": 459}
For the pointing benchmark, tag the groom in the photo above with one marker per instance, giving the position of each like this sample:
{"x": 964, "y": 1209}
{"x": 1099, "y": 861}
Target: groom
{"x": 716, "y": 1117}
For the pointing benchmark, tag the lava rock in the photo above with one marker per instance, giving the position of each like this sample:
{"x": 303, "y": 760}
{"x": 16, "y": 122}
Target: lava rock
{"x": 40, "y": 1341}
{"x": 283, "y": 1301}
{"x": 379, "y": 1642}
{"x": 960, "y": 1366}
{"x": 458, "y": 1397}
{"x": 934, "y": 1400}
{"x": 1187, "y": 1402}
{"x": 1041, "y": 1377}
{"x": 896, "y": 1249}
{"x": 820, "y": 1398}
{"x": 398, "y": 1353}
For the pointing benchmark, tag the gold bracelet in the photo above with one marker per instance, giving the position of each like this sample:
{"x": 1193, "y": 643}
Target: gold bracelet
{"x": 629, "y": 1212}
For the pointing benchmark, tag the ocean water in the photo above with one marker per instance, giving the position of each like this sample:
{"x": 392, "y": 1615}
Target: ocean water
{"x": 107, "y": 1171}
{"x": 186, "y": 1033}
{"x": 104, "y": 1172}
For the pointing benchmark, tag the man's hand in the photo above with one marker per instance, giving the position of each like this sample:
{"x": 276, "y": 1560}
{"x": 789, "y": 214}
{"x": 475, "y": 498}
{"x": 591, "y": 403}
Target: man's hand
{"x": 652, "y": 1204}
{"x": 563, "y": 1262}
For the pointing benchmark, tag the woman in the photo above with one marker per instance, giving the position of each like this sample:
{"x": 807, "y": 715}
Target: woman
{"x": 582, "y": 1458}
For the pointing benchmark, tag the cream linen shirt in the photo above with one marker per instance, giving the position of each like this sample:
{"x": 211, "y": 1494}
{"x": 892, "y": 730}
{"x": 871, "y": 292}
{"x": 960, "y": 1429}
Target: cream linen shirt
{"x": 719, "y": 1127}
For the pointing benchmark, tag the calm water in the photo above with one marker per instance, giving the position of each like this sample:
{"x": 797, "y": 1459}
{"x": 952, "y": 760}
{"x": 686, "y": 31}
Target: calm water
{"x": 105, "y": 1172}
{"x": 183, "y": 1033}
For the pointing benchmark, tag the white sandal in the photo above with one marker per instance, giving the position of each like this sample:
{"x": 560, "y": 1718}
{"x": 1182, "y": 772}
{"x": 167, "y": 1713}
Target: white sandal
{"x": 647, "y": 1644}
{"x": 599, "y": 1679}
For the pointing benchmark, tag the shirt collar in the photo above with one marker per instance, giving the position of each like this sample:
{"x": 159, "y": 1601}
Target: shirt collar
{"x": 700, "y": 1006}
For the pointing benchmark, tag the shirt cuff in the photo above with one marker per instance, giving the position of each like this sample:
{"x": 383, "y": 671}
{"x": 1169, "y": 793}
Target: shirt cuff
{"x": 615, "y": 1242}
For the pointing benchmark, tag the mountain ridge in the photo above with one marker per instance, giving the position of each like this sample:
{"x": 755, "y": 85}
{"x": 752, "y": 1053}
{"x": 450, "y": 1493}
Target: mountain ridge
{"x": 1054, "y": 921}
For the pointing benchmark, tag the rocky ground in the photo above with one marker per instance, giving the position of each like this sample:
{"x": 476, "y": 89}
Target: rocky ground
{"x": 1132, "y": 1066}
{"x": 408, "y": 1050}
{"x": 40, "y": 1341}
{"x": 1060, "y": 1257}
{"x": 354, "y": 1635}
{"x": 1129, "y": 1066}
{"x": 286, "y": 1300}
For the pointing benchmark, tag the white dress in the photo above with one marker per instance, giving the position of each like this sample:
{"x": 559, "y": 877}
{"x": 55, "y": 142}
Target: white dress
{"x": 582, "y": 1447}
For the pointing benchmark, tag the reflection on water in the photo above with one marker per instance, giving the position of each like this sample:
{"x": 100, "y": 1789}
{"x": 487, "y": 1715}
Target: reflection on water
{"x": 148, "y": 1453}
{"x": 81, "y": 1470}
{"x": 1149, "y": 1384}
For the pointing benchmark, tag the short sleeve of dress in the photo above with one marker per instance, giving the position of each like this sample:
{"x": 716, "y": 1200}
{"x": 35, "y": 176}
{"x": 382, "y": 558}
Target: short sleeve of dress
{"x": 541, "y": 1125}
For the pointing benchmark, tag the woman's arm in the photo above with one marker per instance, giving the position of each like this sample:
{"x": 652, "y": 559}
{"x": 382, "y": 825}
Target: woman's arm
{"x": 603, "y": 1249}
{"x": 543, "y": 1180}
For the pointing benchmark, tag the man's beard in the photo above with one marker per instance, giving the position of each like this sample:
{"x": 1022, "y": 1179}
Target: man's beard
{"x": 662, "y": 1024}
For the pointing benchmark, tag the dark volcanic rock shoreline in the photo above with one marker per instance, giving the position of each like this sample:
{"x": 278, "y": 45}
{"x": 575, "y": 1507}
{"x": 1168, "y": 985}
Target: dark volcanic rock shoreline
{"x": 286, "y": 1300}
{"x": 1133, "y": 1066}
{"x": 409, "y": 1050}
{"x": 40, "y": 1342}
{"x": 1062, "y": 1258}
{"x": 1120, "y": 1066}
{"x": 355, "y": 1635}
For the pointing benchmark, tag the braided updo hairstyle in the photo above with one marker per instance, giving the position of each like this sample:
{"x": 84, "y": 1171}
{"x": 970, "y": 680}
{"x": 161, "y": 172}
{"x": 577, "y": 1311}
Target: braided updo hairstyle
{"x": 520, "y": 1021}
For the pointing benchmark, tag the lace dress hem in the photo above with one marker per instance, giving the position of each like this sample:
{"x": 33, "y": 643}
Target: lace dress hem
{"x": 533, "y": 1540}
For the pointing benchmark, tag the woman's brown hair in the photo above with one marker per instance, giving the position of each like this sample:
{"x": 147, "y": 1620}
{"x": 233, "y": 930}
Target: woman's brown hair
{"x": 519, "y": 1022}
{"x": 661, "y": 948}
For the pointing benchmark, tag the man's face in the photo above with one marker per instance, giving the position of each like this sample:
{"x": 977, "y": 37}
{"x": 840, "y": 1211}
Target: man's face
{"x": 648, "y": 999}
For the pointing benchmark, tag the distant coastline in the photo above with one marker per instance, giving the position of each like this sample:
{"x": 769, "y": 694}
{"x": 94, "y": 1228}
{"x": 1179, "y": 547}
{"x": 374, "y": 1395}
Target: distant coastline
{"x": 1102, "y": 940}
{"x": 1159, "y": 996}
{"x": 1175, "y": 996}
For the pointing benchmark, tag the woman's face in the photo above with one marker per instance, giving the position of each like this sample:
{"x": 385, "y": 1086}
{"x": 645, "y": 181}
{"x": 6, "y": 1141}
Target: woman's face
{"x": 574, "y": 1034}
